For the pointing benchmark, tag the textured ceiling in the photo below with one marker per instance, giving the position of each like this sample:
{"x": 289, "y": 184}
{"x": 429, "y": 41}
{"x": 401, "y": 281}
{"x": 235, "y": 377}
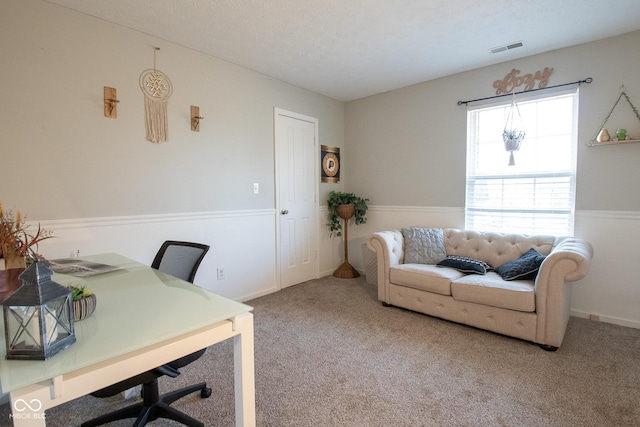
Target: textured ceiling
{"x": 349, "y": 49}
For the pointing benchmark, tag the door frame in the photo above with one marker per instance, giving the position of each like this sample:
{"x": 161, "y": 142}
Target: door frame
{"x": 279, "y": 112}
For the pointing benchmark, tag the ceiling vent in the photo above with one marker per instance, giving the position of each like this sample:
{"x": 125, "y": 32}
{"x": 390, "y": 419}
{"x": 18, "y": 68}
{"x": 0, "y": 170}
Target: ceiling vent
{"x": 507, "y": 47}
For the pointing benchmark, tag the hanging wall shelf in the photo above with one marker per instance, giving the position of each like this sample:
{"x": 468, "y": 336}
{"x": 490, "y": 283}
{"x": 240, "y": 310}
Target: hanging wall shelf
{"x": 597, "y": 140}
{"x": 594, "y": 143}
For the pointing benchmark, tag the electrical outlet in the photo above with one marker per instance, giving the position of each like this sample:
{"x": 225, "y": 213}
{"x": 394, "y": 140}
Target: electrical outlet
{"x": 221, "y": 275}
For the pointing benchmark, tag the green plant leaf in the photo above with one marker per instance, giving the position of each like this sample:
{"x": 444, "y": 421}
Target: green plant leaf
{"x": 337, "y": 198}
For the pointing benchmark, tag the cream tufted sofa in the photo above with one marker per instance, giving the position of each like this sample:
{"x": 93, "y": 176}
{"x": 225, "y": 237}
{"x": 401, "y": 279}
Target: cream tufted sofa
{"x": 533, "y": 310}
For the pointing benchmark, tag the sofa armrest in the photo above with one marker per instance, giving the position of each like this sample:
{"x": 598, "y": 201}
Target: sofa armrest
{"x": 568, "y": 261}
{"x": 579, "y": 251}
{"x": 389, "y": 248}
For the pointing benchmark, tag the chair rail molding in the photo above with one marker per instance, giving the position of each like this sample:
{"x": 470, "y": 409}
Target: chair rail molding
{"x": 64, "y": 224}
{"x": 242, "y": 242}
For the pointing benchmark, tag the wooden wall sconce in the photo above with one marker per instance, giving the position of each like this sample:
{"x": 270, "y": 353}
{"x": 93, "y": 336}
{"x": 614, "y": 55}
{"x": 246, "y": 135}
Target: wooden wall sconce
{"x": 195, "y": 118}
{"x": 110, "y": 102}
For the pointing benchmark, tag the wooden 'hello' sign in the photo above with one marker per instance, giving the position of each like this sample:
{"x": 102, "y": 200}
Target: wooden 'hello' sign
{"x": 512, "y": 81}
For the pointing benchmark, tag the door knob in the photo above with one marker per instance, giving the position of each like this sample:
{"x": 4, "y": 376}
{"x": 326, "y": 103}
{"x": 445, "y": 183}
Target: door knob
{"x": 284, "y": 212}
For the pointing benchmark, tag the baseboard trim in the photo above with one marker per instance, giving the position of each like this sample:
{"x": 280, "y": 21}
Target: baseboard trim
{"x": 257, "y": 294}
{"x": 607, "y": 319}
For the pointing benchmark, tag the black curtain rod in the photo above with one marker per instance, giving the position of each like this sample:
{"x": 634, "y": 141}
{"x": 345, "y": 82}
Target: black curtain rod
{"x": 587, "y": 80}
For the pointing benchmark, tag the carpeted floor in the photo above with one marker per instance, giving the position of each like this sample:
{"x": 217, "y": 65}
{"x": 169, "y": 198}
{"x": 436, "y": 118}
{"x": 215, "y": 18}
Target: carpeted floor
{"x": 327, "y": 353}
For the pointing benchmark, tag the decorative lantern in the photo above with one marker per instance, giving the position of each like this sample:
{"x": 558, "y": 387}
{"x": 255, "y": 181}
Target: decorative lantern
{"x": 38, "y": 316}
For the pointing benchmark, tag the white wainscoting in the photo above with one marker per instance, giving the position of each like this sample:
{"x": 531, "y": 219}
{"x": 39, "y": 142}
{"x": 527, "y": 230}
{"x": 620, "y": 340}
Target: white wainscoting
{"x": 242, "y": 242}
{"x": 380, "y": 218}
{"x": 611, "y": 290}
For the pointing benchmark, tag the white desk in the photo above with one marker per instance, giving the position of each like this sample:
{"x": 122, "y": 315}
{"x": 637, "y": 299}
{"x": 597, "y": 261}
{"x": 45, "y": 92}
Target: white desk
{"x": 143, "y": 319}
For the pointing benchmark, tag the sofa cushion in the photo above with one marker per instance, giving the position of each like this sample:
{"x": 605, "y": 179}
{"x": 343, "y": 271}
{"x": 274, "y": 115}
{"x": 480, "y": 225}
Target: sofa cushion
{"x": 423, "y": 245}
{"x": 425, "y": 277}
{"x": 523, "y": 268}
{"x": 494, "y": 248}
{"x": 491, "y": 290}
{"x": 465, "y": 265}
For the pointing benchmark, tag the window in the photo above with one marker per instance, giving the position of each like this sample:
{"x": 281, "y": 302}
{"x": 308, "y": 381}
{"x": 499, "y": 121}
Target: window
{"x": 537, "y": 194}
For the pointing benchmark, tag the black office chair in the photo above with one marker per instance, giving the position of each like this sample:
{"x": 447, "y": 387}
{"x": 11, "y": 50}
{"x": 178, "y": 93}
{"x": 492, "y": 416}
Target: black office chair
{"x": 180, "y": 259}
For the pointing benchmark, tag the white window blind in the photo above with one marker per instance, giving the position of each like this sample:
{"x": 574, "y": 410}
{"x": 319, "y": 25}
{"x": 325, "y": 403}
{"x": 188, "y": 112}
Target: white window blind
{"x": 537, "y": 194}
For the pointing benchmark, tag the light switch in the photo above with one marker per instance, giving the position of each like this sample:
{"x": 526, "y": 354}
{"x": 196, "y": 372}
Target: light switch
{"x": 256, "y": 188}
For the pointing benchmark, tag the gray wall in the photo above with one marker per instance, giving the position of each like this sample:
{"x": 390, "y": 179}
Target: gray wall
{"x": 63, "y": 162}
{"x": 61, "y": 158}
{"x": 407, "y": 152}
{"x": 408, "y": 146}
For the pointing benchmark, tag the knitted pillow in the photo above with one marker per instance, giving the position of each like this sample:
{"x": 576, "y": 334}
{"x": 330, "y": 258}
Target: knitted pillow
{"x": 423, "y": 245}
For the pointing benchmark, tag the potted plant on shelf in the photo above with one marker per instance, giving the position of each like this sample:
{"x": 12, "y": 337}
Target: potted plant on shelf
{"x": 345, "y": 206}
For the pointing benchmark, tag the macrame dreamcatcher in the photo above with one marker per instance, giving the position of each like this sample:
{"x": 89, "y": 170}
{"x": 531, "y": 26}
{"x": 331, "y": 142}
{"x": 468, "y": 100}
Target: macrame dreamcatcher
{"x": 511, "y": 135}
{"x": 157, "y": 89}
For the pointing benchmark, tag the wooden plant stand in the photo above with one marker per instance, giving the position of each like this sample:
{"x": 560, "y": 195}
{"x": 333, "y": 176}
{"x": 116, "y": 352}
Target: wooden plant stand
{"x": 346, "y": 270}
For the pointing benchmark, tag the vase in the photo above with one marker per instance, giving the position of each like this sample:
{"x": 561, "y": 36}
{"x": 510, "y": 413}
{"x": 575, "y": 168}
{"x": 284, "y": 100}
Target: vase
{"x": 84, "y": 307}
{"x": 603, "y": 136}
{"x": 12, "y": 260}
{"x": 9, "y": 281}
{"x": 346, "y": 270}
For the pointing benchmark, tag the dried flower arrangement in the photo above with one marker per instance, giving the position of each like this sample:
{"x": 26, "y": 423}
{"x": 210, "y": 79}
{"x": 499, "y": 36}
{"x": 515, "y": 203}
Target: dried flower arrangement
{"x": 16, "y": 241}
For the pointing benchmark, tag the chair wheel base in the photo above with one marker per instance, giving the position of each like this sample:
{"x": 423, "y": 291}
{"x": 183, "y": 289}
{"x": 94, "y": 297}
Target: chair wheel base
{"x": 154, "y": 406}
{"x": 205, "y": 392}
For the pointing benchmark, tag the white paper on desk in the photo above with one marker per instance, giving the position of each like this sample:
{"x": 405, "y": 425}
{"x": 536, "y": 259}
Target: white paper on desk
{"x": 79, "y": 268}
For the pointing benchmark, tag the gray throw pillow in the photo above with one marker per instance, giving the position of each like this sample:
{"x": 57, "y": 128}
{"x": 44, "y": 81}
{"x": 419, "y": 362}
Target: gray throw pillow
{"x": 423, "y": 245}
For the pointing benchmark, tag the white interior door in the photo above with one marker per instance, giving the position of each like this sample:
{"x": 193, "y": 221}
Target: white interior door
{"x": 296, "y": 197}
